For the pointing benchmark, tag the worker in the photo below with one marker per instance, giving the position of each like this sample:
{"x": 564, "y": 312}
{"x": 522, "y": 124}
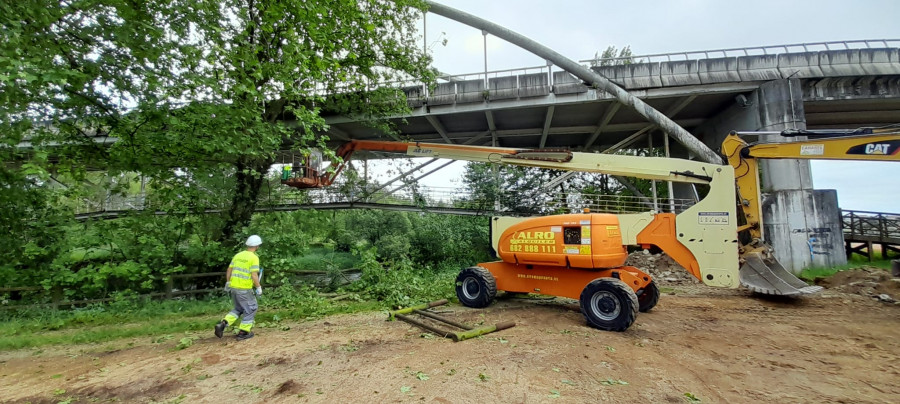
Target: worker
{"x": 242, "y": 278}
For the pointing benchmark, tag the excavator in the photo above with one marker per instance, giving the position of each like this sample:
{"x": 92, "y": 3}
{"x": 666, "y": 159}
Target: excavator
{"x": 719, "y": 240}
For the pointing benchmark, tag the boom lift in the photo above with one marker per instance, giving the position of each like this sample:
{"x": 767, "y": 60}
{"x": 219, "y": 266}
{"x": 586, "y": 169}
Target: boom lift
{"x": 582, "y": 256}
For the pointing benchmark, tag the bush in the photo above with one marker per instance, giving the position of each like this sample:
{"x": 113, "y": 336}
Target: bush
{"x": 401, "y": 283}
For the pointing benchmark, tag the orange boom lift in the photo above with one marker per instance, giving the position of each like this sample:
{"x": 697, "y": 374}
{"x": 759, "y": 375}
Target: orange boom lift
{"x": 582, "y": 256}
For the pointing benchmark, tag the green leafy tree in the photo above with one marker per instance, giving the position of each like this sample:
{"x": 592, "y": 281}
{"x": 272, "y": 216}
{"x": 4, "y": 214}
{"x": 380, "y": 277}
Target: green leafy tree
{"x": 191, "y": 98}
{"x": 509, "y": 188}
{"x": 611, "y": 57}
{"x": 522, "y": 190}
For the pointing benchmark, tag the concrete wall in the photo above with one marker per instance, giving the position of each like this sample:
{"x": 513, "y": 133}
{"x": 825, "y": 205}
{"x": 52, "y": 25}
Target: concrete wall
{"x": 470, "y": 91}
{"x": 804, "y": 228}
{"x": 534, "y": 85}
{"x": 503, "y": 88}
{"x": 566, "y": 83}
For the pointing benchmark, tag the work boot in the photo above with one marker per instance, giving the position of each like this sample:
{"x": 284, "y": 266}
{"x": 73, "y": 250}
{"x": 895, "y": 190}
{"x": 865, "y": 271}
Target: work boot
{"x": 244, "y": 335}
{"x": 220, "y": 328}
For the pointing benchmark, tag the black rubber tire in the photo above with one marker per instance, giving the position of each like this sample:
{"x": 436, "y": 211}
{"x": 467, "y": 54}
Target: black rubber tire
{"x": 649, "y": 298}
{"x": 609, "y": 304}
{"x": 476, "y": 287}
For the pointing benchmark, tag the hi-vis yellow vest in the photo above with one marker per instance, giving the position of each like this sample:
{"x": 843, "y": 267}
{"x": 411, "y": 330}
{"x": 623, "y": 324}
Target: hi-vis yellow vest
{"x": 241, "y": 266}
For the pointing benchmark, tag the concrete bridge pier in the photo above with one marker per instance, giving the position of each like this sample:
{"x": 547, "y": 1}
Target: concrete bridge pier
{"x": 802, "y": 224}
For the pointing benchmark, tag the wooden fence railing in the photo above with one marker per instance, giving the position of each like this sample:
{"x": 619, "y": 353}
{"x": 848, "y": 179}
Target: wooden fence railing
{"x": 57, "y": 295}
{"x": 863, "y": 230}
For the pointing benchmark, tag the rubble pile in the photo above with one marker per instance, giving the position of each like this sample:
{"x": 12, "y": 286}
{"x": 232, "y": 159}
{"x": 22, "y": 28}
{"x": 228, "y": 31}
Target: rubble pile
{"x": 865, "y": 281}
{"x": 661, "y": 267}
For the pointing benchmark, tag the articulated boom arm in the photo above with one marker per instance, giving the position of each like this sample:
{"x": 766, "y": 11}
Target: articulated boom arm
{"x": 655, "y": 168}
{"x": 708, "y": 230}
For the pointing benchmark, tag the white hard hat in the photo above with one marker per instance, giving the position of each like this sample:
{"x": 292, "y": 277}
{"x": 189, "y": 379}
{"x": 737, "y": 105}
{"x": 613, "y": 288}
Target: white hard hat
{"x": 254, "y": 241}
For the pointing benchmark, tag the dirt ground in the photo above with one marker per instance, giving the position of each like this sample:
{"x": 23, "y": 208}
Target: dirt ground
{"x": 716, "y": 346}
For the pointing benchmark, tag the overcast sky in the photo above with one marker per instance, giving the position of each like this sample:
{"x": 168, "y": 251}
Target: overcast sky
{"x": 578, "y": 29}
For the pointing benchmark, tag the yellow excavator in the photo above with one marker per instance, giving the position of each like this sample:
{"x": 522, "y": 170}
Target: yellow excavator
{"x": 869, "y": 144}
{"x": 582, "y": 256}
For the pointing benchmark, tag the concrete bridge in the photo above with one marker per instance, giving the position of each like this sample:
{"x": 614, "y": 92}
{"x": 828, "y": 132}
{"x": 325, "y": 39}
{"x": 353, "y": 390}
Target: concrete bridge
{"x": 840, "y": 84}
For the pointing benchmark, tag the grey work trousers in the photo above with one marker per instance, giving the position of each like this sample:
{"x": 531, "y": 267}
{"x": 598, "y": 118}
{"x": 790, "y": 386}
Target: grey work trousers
{"x": 244, "y": 305}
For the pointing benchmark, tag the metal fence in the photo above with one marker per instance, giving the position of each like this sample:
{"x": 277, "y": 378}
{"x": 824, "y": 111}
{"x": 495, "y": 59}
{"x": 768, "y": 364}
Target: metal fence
{"x": 419, "y": 196}
{"x": 752, "y": 50}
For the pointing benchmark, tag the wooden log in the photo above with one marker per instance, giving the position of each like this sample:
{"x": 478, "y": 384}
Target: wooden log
{"x": 435, "y": 330}
{"x": 24, "y": 289}
{"x": 419, "y": 307}
{"x": 442, "y": 319}
{"x": 464, "y": 335}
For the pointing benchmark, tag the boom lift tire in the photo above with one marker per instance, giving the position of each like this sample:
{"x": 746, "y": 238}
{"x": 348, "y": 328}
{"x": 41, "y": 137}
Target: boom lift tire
{"x": 476, "y": 287}
{"x": 609, "y": 304}
{"x": 648, "y": 299}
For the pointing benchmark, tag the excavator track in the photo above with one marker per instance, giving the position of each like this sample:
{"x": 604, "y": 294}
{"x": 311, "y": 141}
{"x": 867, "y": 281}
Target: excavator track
{"x": 768, "y": 276}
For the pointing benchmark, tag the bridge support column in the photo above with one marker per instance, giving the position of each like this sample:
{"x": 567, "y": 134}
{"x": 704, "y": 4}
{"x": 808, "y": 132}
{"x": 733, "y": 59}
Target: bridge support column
{"x": 802, "y": 224}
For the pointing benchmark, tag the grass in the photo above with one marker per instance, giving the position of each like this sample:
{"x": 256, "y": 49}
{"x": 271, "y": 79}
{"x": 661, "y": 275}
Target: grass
{"x": 381, "y": 289}
{"x": 319, "y": 257}
{"x": 29, "y": 329}
{"x": 811, "y": 274}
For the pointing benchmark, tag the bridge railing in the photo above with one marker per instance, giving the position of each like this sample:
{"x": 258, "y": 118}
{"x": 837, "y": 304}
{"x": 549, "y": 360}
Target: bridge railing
{"x": 871, "y": 226}
{"x": 751, "y": 51}
{"x": 487, "y": 76}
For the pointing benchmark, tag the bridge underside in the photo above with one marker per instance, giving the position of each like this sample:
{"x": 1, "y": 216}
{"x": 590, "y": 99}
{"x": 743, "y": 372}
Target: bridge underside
{"x": 592, "y": 120}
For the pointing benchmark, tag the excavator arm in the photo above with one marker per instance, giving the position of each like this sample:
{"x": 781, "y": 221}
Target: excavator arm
{"x": 760, "y": 271}
{"x": 862, "y": 144}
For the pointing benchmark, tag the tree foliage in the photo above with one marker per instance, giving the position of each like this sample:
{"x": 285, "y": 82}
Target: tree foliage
{"x": 523, "y": 190}
{"x": 206, "y": 85}
{"x": 192, "y": 97}
{"x": 611, "y": 57}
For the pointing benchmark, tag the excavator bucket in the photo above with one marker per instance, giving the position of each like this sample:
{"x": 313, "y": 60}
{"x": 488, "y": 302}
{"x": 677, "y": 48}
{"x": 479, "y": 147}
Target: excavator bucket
{"x": 769, "y": 277}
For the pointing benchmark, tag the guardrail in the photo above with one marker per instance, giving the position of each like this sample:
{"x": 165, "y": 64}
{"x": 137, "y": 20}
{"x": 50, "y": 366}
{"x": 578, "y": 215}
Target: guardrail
{"x": 751, "y": 51}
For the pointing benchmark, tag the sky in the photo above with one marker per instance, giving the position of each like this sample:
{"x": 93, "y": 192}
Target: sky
{"x": 578, "y": 29}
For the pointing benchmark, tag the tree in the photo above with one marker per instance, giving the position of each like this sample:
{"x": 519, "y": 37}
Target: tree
{"x": 507, "y": 187}
{"x": 191, "y": 88}
{"x": 522, "y": 190}
{"x": 610, "y": 58}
